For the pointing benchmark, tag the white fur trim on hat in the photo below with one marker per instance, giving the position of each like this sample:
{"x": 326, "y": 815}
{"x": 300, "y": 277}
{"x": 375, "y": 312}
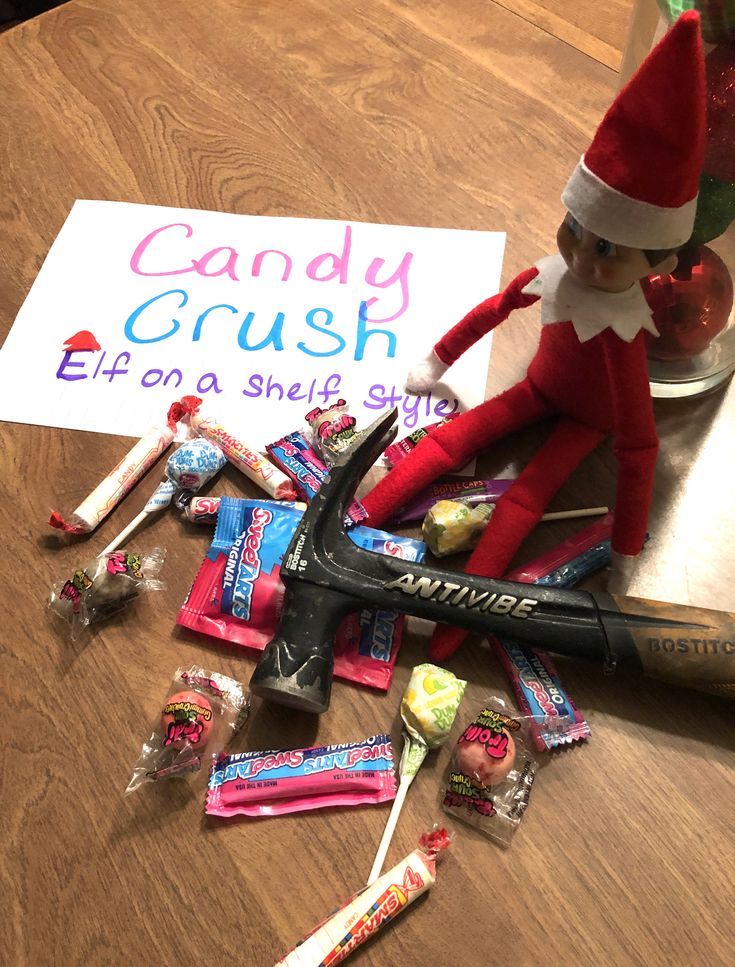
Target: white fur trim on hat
{"x": 625, "y": 221}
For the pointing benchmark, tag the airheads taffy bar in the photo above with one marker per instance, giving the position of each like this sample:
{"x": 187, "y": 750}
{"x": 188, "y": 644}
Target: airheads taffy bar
{"x": 237, "y": 593}
{"x": 533, "y": 675}
{"x": 357, "y": 920}
{"x": 294, "y": 780}
{"x": 296, "y": 458}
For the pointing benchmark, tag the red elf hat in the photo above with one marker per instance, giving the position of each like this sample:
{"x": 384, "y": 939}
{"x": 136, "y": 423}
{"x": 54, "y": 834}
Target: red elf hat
{"x": 637, "y": 183}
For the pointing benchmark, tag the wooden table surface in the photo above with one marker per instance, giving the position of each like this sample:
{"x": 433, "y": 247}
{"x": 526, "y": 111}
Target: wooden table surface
{"x": 467, "y": 115}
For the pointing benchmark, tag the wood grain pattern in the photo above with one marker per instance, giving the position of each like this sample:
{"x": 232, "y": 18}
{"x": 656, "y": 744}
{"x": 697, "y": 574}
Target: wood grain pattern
{"x": 466, "y": 115}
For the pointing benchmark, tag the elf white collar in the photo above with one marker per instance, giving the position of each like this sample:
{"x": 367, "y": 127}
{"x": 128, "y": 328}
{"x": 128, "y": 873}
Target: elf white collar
{"x": 589, "y": 310}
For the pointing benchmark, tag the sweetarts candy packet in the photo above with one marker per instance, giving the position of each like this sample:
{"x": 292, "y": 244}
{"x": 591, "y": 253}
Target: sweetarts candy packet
{"x": 294, "y": 780}
{"x": 237, "y": 594}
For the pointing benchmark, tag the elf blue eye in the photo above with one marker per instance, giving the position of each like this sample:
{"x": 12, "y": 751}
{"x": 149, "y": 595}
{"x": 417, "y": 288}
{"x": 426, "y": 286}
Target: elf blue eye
{"x": 605, "y": 248}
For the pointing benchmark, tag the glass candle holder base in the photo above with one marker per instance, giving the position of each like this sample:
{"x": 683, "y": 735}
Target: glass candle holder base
{"x": 696, "y": 375}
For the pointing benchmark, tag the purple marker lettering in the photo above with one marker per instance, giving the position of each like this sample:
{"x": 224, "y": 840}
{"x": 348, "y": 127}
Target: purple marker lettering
{"x": 112, "y": 373}
{"x": 67, "y": 364}
{"x": 255, "y": 384}
{"x": 211, "y": 386}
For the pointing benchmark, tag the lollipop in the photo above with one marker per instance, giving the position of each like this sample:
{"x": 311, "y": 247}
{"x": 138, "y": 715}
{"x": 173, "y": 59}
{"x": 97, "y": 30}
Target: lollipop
{"x": 188, "y": 469}
{"x": 428, "y": 709}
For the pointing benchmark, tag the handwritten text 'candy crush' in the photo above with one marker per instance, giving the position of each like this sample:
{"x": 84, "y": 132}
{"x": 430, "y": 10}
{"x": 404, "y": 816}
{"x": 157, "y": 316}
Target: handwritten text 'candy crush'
{"x": 379, "y": 296}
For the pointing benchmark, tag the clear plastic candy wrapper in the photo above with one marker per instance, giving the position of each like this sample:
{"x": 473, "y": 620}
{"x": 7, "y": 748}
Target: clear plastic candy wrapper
{"x": 200, "y": 714}
{"x": 492, "y": 771}
{"x": 105, "y": 585}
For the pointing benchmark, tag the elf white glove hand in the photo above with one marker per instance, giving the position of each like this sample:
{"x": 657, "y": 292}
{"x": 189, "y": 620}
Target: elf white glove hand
{"x": 623, "y": 568}
{"x": 424, "y": 374}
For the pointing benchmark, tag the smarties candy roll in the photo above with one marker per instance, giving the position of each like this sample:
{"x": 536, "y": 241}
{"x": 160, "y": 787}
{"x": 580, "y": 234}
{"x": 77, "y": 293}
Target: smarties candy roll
{"x": 358, "y": 919}
{"x": 118, "y": 482}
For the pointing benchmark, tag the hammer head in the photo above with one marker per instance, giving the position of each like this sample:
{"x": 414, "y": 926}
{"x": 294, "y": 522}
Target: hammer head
{"x": 296, "y": 666}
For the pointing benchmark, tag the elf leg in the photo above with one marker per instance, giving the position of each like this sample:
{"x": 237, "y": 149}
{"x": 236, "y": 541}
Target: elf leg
{"x": 452, "y": 445}
{"x": 519, "y": 510}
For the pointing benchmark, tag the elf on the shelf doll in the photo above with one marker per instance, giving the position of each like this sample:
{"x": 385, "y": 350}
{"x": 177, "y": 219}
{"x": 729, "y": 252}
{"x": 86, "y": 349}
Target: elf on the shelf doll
{"x": 631, "y": 202}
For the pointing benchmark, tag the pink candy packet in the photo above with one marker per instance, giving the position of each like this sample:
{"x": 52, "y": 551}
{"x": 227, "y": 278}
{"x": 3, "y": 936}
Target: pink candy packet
{"x": 294, "y": 780}
{"x": 238, "y": 594}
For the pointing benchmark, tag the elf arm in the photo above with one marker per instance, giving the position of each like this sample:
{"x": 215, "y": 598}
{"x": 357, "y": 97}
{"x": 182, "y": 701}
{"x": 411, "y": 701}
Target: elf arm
{"x": 636, "y": 448}
{"x": 479, "y": 321}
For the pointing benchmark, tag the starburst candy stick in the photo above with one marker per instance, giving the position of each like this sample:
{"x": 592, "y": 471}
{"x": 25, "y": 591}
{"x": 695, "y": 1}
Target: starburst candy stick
{"x": 428, "y": 708}
{"x": 255, "y": 466}
{"x": 188, "y": 469}
{"x": 377, "y": 904}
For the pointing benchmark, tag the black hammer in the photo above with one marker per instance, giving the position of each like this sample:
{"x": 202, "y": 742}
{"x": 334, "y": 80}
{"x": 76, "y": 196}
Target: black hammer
{"x": 326, "y": 576}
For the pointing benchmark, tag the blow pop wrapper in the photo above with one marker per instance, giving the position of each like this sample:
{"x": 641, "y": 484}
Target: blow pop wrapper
{"x": 106, "y": 585}
{"x": 334, "y": 939}
{"x": 237, "y": 594}
{"x": 201, "y": 712}
{"x": 294, "y": 780}
{"x": 118, "y": 482}
{"x": 491, "y": 773}
{"x": 451, "y": 526}
{"x": 188, "y": 469}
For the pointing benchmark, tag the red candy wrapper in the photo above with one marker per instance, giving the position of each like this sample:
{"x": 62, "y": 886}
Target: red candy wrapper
{"x": 294, "y": 780}
{"x": 237, "y": 594}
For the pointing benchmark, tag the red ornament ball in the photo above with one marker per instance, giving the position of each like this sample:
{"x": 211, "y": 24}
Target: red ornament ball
{"x": 485, "y": 755}
{"x": 186, "y": 719}
{"x": 690, "y": 307}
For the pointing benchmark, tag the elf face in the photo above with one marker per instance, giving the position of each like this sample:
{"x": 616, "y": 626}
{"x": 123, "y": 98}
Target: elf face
{"x": 597, "y": 262}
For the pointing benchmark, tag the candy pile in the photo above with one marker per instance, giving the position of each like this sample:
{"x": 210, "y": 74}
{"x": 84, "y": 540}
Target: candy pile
{"x": 237, "y": 596}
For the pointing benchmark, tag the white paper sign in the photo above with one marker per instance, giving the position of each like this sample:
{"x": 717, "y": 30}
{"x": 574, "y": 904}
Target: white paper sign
{"x": 264, "y": 318}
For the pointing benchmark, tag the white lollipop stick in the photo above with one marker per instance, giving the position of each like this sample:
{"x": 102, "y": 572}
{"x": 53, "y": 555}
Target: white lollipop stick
{"x": 160, "y": 499}
{"x": 414, "y": 753}
{"x": 571, "y": 514}
{"x": 191, "y": 466}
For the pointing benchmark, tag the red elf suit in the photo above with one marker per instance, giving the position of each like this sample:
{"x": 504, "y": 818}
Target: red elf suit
{"x": 635, "y": 188}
